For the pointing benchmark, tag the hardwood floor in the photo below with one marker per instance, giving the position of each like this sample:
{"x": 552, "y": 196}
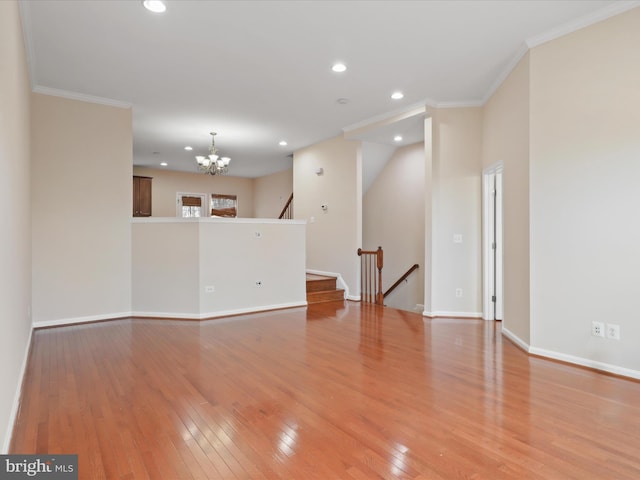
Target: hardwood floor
{"x": 328, "y": 392}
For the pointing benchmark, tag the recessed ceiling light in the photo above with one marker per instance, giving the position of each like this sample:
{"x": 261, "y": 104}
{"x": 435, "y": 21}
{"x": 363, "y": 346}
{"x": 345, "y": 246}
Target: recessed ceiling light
{"x": 397, "y": 138}
{"x": 155, "y": 6}
{"x": 164, "y": 164}
{"x": 342, "y": 101}
{"x": 339, "y": 67}
{"x": 397, "y": 95}
{"x": 283, "y": 143}
{"x": 188, "y": 148}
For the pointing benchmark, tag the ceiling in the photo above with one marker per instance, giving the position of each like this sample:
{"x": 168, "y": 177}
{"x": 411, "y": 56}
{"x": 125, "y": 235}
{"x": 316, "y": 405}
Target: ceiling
{"x": 258, "y": 72}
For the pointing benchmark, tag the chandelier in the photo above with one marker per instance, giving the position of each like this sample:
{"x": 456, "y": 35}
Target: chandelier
{"x": 213, "y": 164}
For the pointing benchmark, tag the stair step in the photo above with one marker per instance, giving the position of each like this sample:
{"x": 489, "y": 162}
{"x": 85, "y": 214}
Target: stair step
{"x": 319, "y": 283}
{"x": 336, "y": 295}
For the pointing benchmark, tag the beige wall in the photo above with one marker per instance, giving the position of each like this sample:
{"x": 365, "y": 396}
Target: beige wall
{"x": 506, "y": 140}
{"x": 271, "y": 193}
{"x": 166, "y": 183}
{"x": 15, "y": 240}
{"x": 393, "y": 217}
{"x": 334, "y": 236}
{"x": 456, "y": 209}
{"x": 81, "y": 203}
{"x": 585, "y": 195}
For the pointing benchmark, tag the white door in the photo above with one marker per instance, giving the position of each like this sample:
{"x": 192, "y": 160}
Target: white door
{"x": 492, "y": 243}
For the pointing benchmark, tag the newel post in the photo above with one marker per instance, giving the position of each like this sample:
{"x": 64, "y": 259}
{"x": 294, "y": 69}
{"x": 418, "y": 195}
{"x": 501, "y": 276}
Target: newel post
{"x": 379, "y": 263}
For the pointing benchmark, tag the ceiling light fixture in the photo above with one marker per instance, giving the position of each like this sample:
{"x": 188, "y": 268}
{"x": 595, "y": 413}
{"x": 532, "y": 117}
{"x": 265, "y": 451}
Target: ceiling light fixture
{"x": 397, "y": 138}
{"x": 188, "y": 148}
{"x": 155, "y": 6}
{"x": 283, "y": 143}
{"x": 339, "y": 67}
{"x": 213, "y": 164}
{"x": 164, "y": 164}
{"x": 397, "y": 95}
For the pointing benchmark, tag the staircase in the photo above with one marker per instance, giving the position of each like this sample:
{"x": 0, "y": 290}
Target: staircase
{"x": 322, "y": 289}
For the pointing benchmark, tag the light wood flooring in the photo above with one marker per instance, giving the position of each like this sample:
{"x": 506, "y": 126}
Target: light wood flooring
{"x": 335, "y": 391}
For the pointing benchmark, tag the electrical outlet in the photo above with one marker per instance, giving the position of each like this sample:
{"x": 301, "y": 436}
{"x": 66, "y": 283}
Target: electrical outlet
{"x": 258, "y": 283}
{"x": 209, "y": 289}
{"x": 457, "y": 238}
{"x": 613, "y": 331}
{"x": 258, "y": 234}
{"x": 597, "y": 329}
{"x": 458, "y": 292}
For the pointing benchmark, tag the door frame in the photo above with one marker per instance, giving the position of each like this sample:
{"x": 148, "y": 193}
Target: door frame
{"x": 492, "y": 230}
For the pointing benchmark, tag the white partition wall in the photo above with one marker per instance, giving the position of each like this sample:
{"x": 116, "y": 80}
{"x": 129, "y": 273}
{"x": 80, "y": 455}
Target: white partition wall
{"x": 210, "y": 267}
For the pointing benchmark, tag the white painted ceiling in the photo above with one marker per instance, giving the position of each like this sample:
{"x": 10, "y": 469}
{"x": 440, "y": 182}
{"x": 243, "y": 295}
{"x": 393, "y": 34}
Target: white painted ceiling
{"x": 258, "y": 72}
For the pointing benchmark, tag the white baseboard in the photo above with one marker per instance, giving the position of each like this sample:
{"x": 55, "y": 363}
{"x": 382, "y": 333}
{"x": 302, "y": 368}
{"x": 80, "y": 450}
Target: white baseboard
{"x": 563, "y": 357}
{"x": 340, "y": 283}
{"x": 87, "y": 319}
{"x": 220, "y": 313}
{"x": 16, "y": 398}
{"x": 586, "y": 362}
{"x": 515, "y": 339}
{"x": 452, "y": 314}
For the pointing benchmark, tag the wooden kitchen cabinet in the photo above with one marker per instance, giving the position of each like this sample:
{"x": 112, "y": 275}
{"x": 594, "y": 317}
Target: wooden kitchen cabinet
{"x": 142, "y": 196}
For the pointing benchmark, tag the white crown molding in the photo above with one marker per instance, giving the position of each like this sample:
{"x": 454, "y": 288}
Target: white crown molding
{"x": 28, "y": 44}
{"x": 16, "y": 398}
{"x": 615, "y": 8}
{"x": 570, "y": 27}
{"x": 410, "y": 110}
{"x": 80, "y": 96}
{"x": 521, "y": 52}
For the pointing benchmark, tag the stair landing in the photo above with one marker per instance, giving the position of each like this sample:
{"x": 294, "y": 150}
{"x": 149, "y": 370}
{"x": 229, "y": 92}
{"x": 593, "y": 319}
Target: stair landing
{"x": 321, "y": 289}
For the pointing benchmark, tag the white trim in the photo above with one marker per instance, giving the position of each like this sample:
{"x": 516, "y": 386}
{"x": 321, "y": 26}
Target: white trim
{"x": 452, "y": 314}
{"x": 420, "y": 109}
{"x": 340, "y": 283}
{"x": 586, "y": 362}
{"x": 18, "y": 395}
{"x": 522, "y": 50}
{"x": 515, "y": 339}
{"x": 572, "y": 359}
{"x": 28, "y": 44}
{"x": 55, "y": 92}
{"x": 570, "y": 27}
{"x": 87, "y": 319}
{"x": 216, "y": 220}
{"x": 221, "y": 313}
{"x": 488, "y": 220}
{"x": 460, "y": 104}
{"x": 582, "y": 22}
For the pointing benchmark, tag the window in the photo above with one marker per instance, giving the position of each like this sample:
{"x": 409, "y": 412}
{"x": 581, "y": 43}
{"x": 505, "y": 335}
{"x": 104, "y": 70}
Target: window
{"x": 190, "y": 205}
{"x": 224, "y": 205}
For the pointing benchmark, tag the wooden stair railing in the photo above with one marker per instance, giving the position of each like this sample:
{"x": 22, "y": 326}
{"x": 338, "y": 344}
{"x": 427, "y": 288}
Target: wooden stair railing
{"x": 401, "y": 279}
{"x": 287, "y": 211}
{"x": 371, "y": 263}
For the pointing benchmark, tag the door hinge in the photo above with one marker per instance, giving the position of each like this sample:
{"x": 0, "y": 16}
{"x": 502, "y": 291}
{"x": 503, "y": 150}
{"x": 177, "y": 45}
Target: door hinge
{"x": 493, "y": 298}
{"x": 493, "y": 245}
